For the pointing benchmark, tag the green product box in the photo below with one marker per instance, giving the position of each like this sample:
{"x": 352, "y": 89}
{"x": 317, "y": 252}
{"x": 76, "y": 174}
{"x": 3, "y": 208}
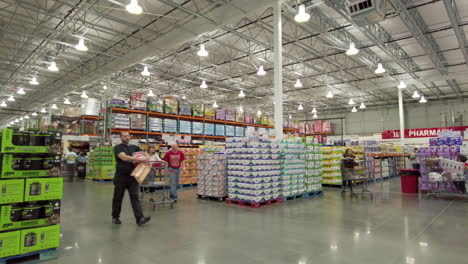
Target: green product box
{"x": 10, "y": 243}
{"x": 20, "y": 142}
{"x": 39, "y": 239}
{"x": 23, "y": 167}
{"x": 11, "y": 215}
{"x": 12, "y": 191}
{"x": 39, "y": 189}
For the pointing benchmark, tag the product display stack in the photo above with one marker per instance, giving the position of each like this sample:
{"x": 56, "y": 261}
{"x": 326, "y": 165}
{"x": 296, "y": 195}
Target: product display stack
{"x": 212, "y": 179}
{"x": 189, "y": 169}
{"x": 101, "y": 163}
{"x": 293, "y": 168}
{"x": 32, "y": 187}
{"x": 313, "y": 174}
{"x": 253, "y": 172}
{"x": 331, "y": 165}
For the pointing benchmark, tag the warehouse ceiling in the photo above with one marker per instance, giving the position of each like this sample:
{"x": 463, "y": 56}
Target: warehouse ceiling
{"x": 418, "y": 42}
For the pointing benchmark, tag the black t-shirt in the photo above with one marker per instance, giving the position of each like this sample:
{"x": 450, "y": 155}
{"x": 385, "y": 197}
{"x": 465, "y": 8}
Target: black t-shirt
{"x": 124, "y": 168}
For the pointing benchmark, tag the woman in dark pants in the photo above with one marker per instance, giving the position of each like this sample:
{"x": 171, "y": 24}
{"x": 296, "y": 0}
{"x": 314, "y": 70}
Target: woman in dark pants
{"x": 461, "y": 184}
{"x": 347, "y": 169}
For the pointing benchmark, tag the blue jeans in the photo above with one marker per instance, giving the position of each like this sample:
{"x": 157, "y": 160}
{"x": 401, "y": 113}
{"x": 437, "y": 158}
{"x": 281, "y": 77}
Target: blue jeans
{"x": 174, "y": 175}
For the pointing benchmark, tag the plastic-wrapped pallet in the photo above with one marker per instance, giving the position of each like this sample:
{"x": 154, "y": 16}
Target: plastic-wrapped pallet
{"x": 138, "y": 122}
{"x": 121, "y": 121}
{"x": 197, "y": 128}
{"x": 185, "y": 127}
{"x": 170, "y": 125}
{"x": 240, "y": 131}
{"x": 155, "y": 124}
{"x": 331, "y": 157}
{"x": 292, "y": 167}
{"x": 253, "y": 169}
{"x": 230, "y": 131}
{"x": 209, "y": 129}
{"x": 313, "y": 175}
{"x": 212, "y": 180}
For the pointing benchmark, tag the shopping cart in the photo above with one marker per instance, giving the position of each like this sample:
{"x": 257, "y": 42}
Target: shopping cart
{"x": 155, "y": 189}
{"x": 359, "y": 178}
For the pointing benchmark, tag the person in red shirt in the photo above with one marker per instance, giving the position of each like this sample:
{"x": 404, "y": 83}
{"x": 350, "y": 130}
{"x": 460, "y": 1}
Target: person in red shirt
{"x": 174, "y": 159}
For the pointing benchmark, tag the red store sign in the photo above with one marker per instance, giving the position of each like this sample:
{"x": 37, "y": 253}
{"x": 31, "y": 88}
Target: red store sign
{"x": 420, "y": 132}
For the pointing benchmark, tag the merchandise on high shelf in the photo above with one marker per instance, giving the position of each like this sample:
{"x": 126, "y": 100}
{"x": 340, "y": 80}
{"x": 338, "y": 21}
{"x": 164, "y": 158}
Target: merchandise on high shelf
{"x": 331, "y": 165}
{"x": 293, "y": 168}
{"x": 120, "y": 101}
{"x": 220, "y": 129}
{"x": 137, "y": 122}
{"x": 170, "y": 125}
{"x": 30, "y": 203}
{"x": 313, "y": 174}
{"x": 138, "y": 101}
{"x": 120, "y": 121}
{"x": 155, "y": 124}
{"x": 185, "y": 127}
{"x": 185, "y": 108}
{"x": 253, "y": 169}
{"x": 220, "y": 114}
{"x": 197, "y": 128}
{"x": 212, "y": 179}
{"x": 171, "y": 106}
{"x": 101, "y": 163}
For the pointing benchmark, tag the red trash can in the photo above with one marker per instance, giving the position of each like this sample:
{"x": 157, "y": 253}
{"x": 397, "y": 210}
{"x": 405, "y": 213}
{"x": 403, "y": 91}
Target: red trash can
{"x": 409, "y": 180}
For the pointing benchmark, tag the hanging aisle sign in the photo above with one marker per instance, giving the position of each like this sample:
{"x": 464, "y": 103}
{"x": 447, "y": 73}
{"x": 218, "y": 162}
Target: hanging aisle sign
{"x": 420, "y": 132}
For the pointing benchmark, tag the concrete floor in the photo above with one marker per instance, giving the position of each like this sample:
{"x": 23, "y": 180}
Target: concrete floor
{"x": 392, "y": 228}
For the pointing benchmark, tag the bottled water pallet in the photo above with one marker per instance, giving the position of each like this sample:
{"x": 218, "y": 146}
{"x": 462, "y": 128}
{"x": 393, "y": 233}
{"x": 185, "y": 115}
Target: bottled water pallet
{"x": 313, "y": 194}
{"x": 253, "y": 204}
{"x": 187, "y": 185}
{"x": 302, "y": 195}
{"x": 33, "y": 257}
{"x": 211, "y": 198}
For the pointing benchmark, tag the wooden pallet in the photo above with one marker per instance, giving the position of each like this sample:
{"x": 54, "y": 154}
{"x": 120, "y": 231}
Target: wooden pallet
{"x": 210, "y": 198}
{"x": 253, "y": 204}
{"x": 103, "y": 179}
{"x": 187, "y": 185}
{"x": 33, "y": 257}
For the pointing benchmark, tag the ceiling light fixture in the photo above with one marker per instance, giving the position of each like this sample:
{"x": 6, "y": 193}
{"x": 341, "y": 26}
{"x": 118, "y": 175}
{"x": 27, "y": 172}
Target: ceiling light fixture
{"x": 134, "y": 7}
{"x": 314, "y": 110}
{"x": 290, "y": 117}
{"x": 351, "y": 101}
{"x": 402, "y": 85}
{"x": 26, "y": 116}
{"x": 315, "y": 115}
{"x": 145, "y": 71}
{"x": 3, "y": 104}
{"x": 34, "y": 114}
{"x": 416, "y": 95}
{"x": 12, "y": 122}
{"x": 16, "y": 120}
{"x": 241, "y": 94}
{"x": 81, "y": 46}
{"x": 241, "y": 109}
{"x": 203, "y": 85}
{"x": 150, "y": 93}
{"x": 67, "y": 102}
{"x": 300, "y": 108}
{"x": 84, "y": 95}
{"x": 53, "y": 67}
{"x": 215, "y": 105}
{"x": 11, "y": 98}
{"x": 302, "y": 15}
{"x": 362, "y": 106}
{"x": 43, "y": 110}
{"x": 423, "y": 100}
{"x": 352, "y": 49}
{"x": 20, "y": 91}
{"x": 202, "y": 52}
{"x": 259, "y": 113}
{"x": 354, "y": 109}
{"x": 54, "y": 106}
{"x": 298, "y": 84}
{"x": 329, "y": 94}
{"x": 21, "y": 118}
{"x": 183, "y": 97}
{"x": 104, "y": 86}
{"x": 380, "y": 69}
{"x": 261, "y": 71}
{"x": 34, "y": 81}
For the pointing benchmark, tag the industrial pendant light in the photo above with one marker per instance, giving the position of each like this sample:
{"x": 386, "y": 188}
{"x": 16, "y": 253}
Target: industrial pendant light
{"x": 150, "y": 93}
{"x": 300, "y": 108}
{"x": 380, "y": 69}
{"x": 215, "y": 105}
{"x": 54, "y": 106}
{"x": 3, "y": 104}
{"x": 261, "y": 71}
{"x": 81, "y": 46}
{"x": 26, "y": 116}
{"x": 20, "y": 91}
{"x": 53, "y": 67}
{"x": 298, "y": 84}
{"x": 259, "y": 113}
{"x": 84, "y": 95}
{"x": 423, "y": 100}
{"x": 402, "y": 85}
{"x": 352, "y": 49}
{"x": 34, "y": 114}
{"x": 362, "y": 106}
{"x": 354, "y": 109}
{"x": 145, "y": 71}
{"x": 34, "y": 81}
{"x": 314, "y": 110}
{"x": 43, "y": 110}
{"x": 302, "y": 15}
{"x": 290, "y": 116}
{"x": 203, "y": 85}
{"x": 241, "y": 109}
{"x": 104, "y": 86}
{"x": 134, "y": 7}
{"x": 11, "y": 98}
{"x": 329, "y": 94}
{"x": 67, "y": 102}
{"x": 315, "y": 115}
{"x": 241, "y": 94}
{"x": 416, "y": 95}
{"x": 351, "y": 101}
{"x": 202, "y": 52}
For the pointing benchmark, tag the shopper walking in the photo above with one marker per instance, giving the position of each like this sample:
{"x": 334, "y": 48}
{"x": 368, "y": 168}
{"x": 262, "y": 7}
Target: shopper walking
{"x": 414, "y": 157}
{"x": 81, "y": 167}
{"x": 70, "y": 160}
{"x": 460, "y": 184}
{"x": 347, "y": 169}
{"x": 124, "y": 181}
{"x": 174, "y": 158}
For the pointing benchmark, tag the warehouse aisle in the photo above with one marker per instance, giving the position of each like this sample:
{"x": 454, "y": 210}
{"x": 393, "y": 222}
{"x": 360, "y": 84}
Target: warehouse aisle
{"x": 393, "y": 228}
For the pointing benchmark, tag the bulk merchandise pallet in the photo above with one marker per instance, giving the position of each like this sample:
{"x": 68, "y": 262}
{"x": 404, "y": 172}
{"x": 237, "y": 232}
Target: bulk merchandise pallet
{"x": 303, "y": 195}
{"x": 32, "y": 187}
{"x": 254, "y": 204}
{"x": 211, "y": 198}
